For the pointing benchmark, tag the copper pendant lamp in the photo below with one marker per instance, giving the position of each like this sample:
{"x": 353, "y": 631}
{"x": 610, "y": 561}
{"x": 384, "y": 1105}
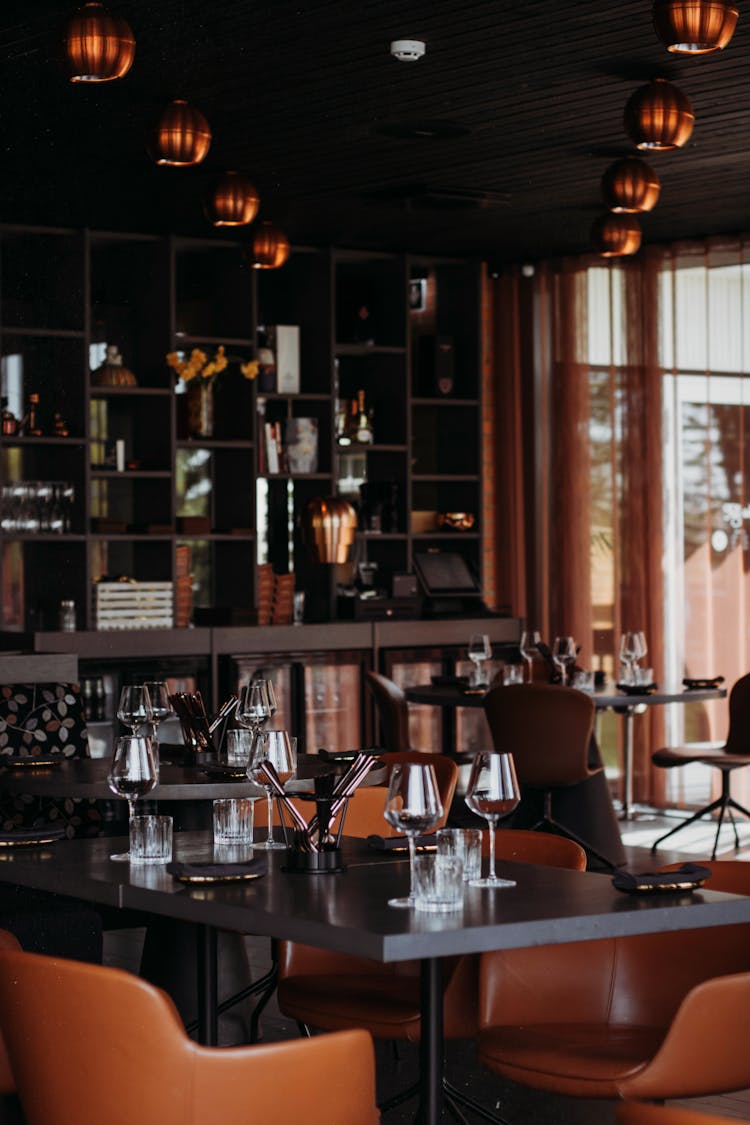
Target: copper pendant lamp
{"x": 99, "y": 47}
{"x": 694, "y": 27}
{"x": 616, "y": 236}
{"x": 269, "y": 248}
{"x": 630, "y": 185}
{"x": 182, "y": 136}
{"x": 659, "y": 117}
{"x": 233, "y": 201}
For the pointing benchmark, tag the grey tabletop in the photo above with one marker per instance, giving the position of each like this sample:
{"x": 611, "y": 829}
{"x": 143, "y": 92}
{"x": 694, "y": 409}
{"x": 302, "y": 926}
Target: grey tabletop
{"x": 446, "y": 695}
{"x": 348, "y": 912}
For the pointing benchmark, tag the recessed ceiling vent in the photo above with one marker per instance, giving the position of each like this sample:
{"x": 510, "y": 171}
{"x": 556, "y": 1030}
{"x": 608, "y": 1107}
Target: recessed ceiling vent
{"x": 423, "y": 197}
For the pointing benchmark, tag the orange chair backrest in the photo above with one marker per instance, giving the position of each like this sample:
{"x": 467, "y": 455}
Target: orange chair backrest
{"x": 446, "y": 774}
{"x": 393, "y": 711}
{"x": 522, "y": 846}
{"x": 8, "y": 944}
{"x": 738, "y": 737}
{"x": 90, "y": 1044}
{"x": 641, "y": 1113}
{"x": 547, "y": 729}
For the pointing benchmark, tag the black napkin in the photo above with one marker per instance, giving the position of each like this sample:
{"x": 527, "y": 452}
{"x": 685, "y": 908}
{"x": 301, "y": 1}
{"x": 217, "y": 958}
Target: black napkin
{"x": 225, "y": 770}
{"x": 660, "y": 880}
{"x": 31, "y": 835}
{"x": 399, "y": 843}
{"x": 211, "y": 870}
{"x": 704, "y": 684}
{"x": 449, "y": 681}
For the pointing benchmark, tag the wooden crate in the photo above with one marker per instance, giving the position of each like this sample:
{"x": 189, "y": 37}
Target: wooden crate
{"x": 134, "y": 605}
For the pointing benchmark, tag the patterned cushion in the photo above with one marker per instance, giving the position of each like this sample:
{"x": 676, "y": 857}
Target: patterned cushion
{"x": 43, "y": 719}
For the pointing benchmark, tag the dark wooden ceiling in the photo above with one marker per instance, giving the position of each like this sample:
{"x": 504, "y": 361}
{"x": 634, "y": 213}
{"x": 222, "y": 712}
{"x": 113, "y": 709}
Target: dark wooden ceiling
{"x": 298, "y": 95}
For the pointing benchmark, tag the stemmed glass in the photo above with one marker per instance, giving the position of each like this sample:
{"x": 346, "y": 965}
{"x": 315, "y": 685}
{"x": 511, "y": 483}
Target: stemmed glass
{"x": 254, "y": 708}
{"x": 159, "y": 708}
{"x": 629, "y": 654}
{"x": 492, "y": 792}
{"x": 478, "y": 652}
{"x": 133, "y": 772}
{"x": 134, "y": 706}
{"x": 564, "y": 655}
{"x": 412, "y": 806}
{"x": 529, "y": 648}
{"x": 276, "y": 747}
{"x": 271, "y": 694}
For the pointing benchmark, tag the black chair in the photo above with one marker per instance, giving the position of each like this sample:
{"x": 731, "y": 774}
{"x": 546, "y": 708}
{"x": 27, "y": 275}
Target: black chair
{"x": 725, "y": 757}
{"x": 392, "y": 709}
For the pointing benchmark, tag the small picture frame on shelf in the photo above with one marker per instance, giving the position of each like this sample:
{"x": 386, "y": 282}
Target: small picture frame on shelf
{"x": 301, "y": 437}
{"x": 418, "y": 294}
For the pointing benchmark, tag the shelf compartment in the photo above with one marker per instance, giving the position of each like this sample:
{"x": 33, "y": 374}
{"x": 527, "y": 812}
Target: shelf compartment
{"x": 51, "y": 366}
{"x": 276, "y": 413}
{"x": 370, "y": 295}
{"x": 300, "y": 294}
{"x": 444, "y": 328}
{"x": 136, "y": 501}
{"x": 35, "y": 295}
{"x": 214, "y": 292}
{"x": 232, "y": 409}
{"x": 30, "y": 599}
{"x": 207, "y": 486}
{"x": 381, "y": 377}
{"x": 222, "y": 571}
{"x": 445, "y": 444}
{"x": 143, "y": 423}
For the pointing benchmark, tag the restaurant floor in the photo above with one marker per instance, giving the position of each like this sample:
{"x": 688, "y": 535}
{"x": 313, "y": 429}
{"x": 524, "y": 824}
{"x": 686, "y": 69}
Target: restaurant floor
{"x": 398, "y": 1070}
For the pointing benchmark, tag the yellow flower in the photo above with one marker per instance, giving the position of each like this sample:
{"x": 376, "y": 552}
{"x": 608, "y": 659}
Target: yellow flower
{"x": 250, "y": 369}
{"x": 198, "y": 364}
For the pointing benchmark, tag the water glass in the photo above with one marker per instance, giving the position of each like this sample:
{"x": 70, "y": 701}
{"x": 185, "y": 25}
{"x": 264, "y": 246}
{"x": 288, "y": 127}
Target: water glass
{"x": 464, "y": 844}
{"x": 583, "y": 681}
{"x": 233, "y": 820}
{"x": 150, "y": 839}
{"x": 512, "y": 674}
{"x": 239, "y": 745}
{"x": 644, "y": 677}
{"x": 438, "y": 883}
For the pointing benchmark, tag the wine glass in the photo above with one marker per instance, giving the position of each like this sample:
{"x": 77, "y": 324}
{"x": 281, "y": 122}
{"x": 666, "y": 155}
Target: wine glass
{"x": 412, "y": 806}
{"x": 529, "y": 648}
{"x": 276, "y": 747}
{"x": 160, "y": 708}
{"x": 254, "y": 709}
{"x": 629, "y": 654}
{"x": 271, "y": 694}
{"x": 134, "y": 706}
{"x": 132, "y": 773}
{"x": 564, "y": 655}
{"x": 492, "y": 792}
{"x": 478, "y": 652}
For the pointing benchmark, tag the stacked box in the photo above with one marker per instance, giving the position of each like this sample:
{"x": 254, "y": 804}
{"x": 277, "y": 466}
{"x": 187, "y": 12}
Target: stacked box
{"x": 134, "y": 605}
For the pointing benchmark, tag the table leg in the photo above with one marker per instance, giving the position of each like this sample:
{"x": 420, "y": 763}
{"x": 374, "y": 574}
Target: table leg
{"x": 208, "y": 1017}
{"x": 627, "y": 781}
{"x": 431, "y": 1042}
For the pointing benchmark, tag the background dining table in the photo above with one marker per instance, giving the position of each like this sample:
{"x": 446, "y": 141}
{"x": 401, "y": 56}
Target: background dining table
{"x": 348, "y": 912}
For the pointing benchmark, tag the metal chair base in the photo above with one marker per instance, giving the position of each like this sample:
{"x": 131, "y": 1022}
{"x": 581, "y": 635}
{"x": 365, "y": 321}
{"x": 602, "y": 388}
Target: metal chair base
{"x": 725, "y": 803}
{"x": 548, "y": 820}
{"x": 455, "y": 1100}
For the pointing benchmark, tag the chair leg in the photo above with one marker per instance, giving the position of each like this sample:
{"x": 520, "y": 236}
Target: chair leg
{"x": 549, "y": 819}
{"x": 452, "y": 1093}
{"x": 690, "y": 820}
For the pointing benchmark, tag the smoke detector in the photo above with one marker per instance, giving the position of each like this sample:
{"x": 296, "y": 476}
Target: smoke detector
{"x": 407, "y": 50}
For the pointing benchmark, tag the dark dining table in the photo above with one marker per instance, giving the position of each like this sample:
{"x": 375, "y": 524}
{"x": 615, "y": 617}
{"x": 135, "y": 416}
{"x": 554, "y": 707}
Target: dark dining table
{"x": 348, "y": 912}
{"x": 628, "y": 704}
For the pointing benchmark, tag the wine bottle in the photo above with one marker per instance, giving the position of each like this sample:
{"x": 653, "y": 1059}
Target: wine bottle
{"x": 363, "y": 432}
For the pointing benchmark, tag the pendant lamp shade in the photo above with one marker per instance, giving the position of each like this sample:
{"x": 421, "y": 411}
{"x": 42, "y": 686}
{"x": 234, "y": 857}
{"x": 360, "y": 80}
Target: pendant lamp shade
{"x": 269, "y": 248}
{"x": 616, "y": 236}
{"x": 630, "y": 185}
{"x": 659, "y": 117}
{"x": 99, "y": 47}
{"x": 694, "y": 27}
{"x": 233, "y": 202}
{"x": 182, "y": 136}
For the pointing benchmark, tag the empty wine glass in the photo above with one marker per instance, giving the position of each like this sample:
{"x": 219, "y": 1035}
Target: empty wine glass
{"x": 412, "y": 806}
{"x": 529, "y": 648}
{"x": 133, "y": 772}
{"x": 277, "y": 748}
{"x": 629, "y": 648}
{"x": 134, "y": 706}
{"x": 254, "y": 709}
{"x": 478, "y": 652}
{"x": 564, "y": 655}
{"x": 271, "y": 694}
{"x": 492, "y": 792}
{"x": 159, "y": 706}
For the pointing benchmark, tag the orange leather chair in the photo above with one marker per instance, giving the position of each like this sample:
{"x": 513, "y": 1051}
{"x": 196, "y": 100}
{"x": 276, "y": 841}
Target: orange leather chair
{"x": 641, "y": 1113}
{"x": 548, "y": 729}
{"x": 91, "y": 1045}
{"x": 654, "y": 1016}
{"x": 392, "y": 709}
{"x": 331, "y": 991}
{"x": 725, "y": 757}
{"x": 8, "y": 944}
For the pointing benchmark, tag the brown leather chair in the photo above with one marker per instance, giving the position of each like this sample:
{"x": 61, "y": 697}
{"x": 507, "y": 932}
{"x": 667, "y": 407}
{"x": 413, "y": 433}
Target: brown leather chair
{"x": 331, "y": 991}
{"x": 654, "y": 1016}
{"x": 392, "y": 710}
{"x": 91, "y": 1044}
{"x": 641, "y": 1113}
{"x": 548, "y": 730}
{"x": 726, "y": 757}
{"x": 8, "y": 944}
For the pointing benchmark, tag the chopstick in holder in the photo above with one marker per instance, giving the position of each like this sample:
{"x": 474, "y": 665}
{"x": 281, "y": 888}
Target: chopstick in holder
{"x": 269, "y": 773}
{"x": 223, "y": 713}
{"x": 346, "y": 787}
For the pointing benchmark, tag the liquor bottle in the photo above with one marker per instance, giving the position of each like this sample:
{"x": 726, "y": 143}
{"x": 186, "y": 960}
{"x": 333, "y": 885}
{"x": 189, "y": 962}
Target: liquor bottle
{"x": 8, "y": 422}
{"x": 363, "y": 433}
{"x": 30, "y": 422}
{"x": 343, "y": 431}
